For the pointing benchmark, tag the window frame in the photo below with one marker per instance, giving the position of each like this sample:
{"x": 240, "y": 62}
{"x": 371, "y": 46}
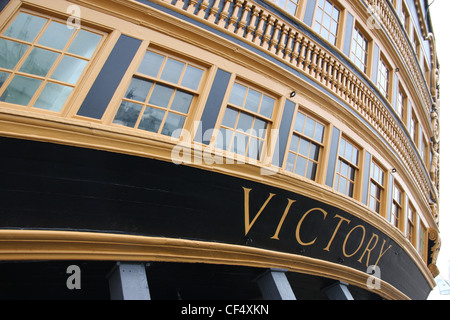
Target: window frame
{"x": 156, "y": 80}
{"x": 270, "y": 122}
{"x": 321, "y": 146}
{"x": 411, "y": 226}
{"x": 386, "y": 91}
{"x": 359, "y": 29}
{"x": 340, "y": 27}
{"x": 356, "y": 167}
{"x": 381, "y": 187}
{"x": 61, "y": 54}
{"x": 298, "y": 12}
{"x": 397, "y": 218}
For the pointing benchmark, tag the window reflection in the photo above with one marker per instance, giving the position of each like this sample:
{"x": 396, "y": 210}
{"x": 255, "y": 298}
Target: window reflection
{"x": 44, "y": 73}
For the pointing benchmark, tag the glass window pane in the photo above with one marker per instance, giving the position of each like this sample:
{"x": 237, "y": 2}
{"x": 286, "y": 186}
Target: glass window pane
{"x": 238, "y": 94}
{"x": 69, "y": 69}
{"x": 56, "y": 36}
{"x": 290, "y": 162}
{"x": 259, "y": 127}
{"x": 39, "y": 62}
{"x": 10, "y": 53}
{"x": 267, "y": 105}
{"x": 311, "y": 171}
{"x": 318, "y": 136}
{"x": 304, "y": 147}
{"x": 161, "y": 95}
{"x": 151, "y": 119}
{"x": 138, "y": 89}
{"x": 239, "y": 143}
{"x": 245, "y": 122}
{"x": 309, "y": 127}
{"x": 224, "y": 138}
{"x": 252, "y": 101}
{"x": 294, "y": 143}
{"x": 182, "y": 101}
{"x": 53, "y": 97}
{"x": 3, "y": 77}
{"x": 300, "y": 167}
{"x": 229, "y": 119}
{"x": 254, "y": 148}
{"x": 299, "y": 123}
{"x": 151, "y": 64}
{"x": 172, "y": 71}
{"x": 127, "y": 114}
{"x": 172, "y": 123}
{"x": 192, "y": 77}
{"x": 20, "y": 90}
{"x": 26, "y": 27}
{"x": 85, "y": 43}
{"x": 314, "y": 152}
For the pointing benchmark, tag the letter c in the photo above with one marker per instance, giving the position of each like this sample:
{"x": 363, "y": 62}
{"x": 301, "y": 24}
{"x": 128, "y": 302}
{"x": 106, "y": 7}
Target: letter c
{"x": 297, "y": 232}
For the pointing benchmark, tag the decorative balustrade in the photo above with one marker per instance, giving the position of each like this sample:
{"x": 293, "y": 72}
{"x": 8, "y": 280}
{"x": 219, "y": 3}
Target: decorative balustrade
{"x": 248, "y": 21}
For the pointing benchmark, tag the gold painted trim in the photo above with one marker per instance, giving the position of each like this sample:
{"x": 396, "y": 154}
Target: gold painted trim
{"x": 67, "y": 245}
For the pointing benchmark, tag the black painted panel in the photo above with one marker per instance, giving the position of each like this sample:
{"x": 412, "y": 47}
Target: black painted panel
{"x": 3, "y": 4}
{"x": 213, "y": 105}
{"x": 109, "y": 78}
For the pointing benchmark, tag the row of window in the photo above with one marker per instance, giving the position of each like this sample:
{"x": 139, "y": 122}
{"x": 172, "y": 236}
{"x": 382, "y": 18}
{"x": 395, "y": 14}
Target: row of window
{"x": 327, "y": 23}
{"x": 41, "y": 61}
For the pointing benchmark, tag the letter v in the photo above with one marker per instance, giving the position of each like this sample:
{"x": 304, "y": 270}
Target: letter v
{"x": 248, "y": 224}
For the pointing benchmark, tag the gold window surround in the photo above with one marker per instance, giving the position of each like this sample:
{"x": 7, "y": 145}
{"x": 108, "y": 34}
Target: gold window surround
{"x": 239, "y": 110}
{"x": 377, "y": 187}
{"x": 328, "y": 20}
{"x": 168, "y": 94}
{"x": 314, "y": 140}
{"x": 43, "y": 61}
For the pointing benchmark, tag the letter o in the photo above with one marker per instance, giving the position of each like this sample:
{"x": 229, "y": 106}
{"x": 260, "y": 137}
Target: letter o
{"x": 346, "y": 239}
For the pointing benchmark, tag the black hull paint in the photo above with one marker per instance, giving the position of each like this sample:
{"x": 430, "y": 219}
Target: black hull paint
{"x": 55, "y": 187}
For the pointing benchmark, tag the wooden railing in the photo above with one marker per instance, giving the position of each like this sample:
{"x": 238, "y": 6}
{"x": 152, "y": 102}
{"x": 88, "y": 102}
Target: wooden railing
{"x": 269, "y": 32}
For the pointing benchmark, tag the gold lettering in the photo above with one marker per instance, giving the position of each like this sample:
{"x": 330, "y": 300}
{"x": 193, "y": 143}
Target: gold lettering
{"x": 290, "y": 202}
{"x": 327, "y": 248}
{"x": 346, "y": 239}
{"x": 248, "y": 224}
{"x": 297, "y": 232}
{"x": 369, "y": 250}
{"x": 382, "y": 252}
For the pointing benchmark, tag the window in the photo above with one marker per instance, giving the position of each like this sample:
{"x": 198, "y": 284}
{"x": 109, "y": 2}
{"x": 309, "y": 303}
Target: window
{"x": 413, "y": 127}
{"x": 360, "y": 50}
{"x": 401, "y": 103}
{"x": 160, "y": 95}
{"x": 411, "y": 225}
{"x": 376, "y": 187}
{"x": 246, "y": 121}
{"x": 41, "y": 61}
{"x": 404, "y": 17}
{"x": 423, "y": 250}
{"x": 423, "y": 150}
{"x": 290, "y": 6}
{"x": 347, "y": 168}
{"x": 327, "y": 20}
{"x": 396, "y": 208}
{"x": 306, "y": 144}
{"x": 383, "y": 78}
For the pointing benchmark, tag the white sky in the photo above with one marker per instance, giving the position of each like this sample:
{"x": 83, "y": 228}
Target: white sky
{"x": 440, "y": 19}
